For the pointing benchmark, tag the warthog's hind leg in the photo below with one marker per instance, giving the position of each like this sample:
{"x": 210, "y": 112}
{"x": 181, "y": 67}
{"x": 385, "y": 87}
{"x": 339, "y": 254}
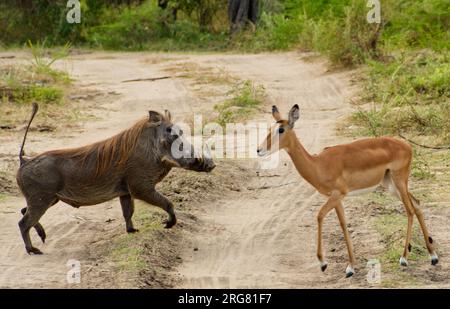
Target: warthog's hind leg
{"x": 31, "y": 218}
{"x": 38, "y": 227}
{"x": 127, "y": 204}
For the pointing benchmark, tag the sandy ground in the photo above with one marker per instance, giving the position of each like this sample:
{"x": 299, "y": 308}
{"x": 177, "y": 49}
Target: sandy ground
{"x": 263, "y": 235}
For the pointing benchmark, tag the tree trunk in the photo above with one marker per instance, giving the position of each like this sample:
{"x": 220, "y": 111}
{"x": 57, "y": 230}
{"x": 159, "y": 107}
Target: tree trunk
{"x": 241, "y": 11}
{"x": 163, "y": 4}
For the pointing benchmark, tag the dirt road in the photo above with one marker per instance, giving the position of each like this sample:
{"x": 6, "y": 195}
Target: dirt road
{"x": 262, "y": 236}
{"x": 71, "y": 232}
{"x": 266, "y": 237}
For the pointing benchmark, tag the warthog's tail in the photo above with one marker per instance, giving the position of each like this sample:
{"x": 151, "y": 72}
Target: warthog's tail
{"x": 33, "y": 113}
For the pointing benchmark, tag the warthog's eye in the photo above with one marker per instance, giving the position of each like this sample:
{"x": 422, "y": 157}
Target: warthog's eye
{"x": 175, "y": 133}
{"x": 280, "y": 130}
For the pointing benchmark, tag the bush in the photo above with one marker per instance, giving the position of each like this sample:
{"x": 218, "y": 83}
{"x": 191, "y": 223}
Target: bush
{"x": 129, "y": 28}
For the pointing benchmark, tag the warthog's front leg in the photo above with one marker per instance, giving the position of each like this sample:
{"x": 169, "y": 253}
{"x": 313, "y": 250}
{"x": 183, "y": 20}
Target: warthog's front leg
{"x": 127, "y": 204}
{"x": 155, "y": 198}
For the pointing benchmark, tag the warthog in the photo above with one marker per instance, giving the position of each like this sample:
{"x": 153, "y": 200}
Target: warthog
{"x": 127, "y": 165}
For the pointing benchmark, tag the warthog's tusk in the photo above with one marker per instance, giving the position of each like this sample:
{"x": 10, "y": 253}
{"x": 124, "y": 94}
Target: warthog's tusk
{"x": 168, "y": 161}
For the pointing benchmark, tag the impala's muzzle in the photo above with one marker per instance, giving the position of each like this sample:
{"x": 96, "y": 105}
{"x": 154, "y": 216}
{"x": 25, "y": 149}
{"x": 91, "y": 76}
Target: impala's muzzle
{"x": 261, "y": 152}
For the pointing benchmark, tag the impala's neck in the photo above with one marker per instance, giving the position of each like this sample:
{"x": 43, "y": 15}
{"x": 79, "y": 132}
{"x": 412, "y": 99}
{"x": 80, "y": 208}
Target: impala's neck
{"x": 303, "y": 161}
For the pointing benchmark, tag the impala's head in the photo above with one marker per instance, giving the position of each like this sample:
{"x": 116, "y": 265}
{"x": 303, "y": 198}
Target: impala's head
{"x": 281, "y": 133}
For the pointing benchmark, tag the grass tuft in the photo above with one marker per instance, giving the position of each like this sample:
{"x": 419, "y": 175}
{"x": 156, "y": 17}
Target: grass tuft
{"x": 245, "y": 99}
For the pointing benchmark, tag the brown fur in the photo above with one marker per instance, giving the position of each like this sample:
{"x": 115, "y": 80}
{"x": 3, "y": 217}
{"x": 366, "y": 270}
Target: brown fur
{"x": 343, "y": 169}
{"x": 115, "y": 150}
{"x": 126, "y": 166}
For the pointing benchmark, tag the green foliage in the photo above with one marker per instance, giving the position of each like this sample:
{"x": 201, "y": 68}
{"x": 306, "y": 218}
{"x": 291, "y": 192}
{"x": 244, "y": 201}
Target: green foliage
{"x": 418, "y": 24}
{"x": 412, "y": 92}
{"x": 406, "y": 55}
{"x": 128, "y": 28}
{"x": 392, "y": 229}
{"x": 37, "y": 82}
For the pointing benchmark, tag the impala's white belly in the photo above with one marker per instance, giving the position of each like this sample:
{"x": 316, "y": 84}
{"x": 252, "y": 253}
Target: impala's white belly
{"x": 362, "y": 191}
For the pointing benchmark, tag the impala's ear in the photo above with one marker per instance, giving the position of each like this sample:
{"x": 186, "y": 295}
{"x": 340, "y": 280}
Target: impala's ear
{"x": 294, "y": 114}
{"x": 167, "y": 115}
{"x": 275, "y": 113}
{"x": 154, "y": 117}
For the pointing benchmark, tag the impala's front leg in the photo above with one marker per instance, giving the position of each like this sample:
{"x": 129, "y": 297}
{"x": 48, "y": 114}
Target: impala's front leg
{"x": 324, "y": 210}
{"x": 351, "y": 258}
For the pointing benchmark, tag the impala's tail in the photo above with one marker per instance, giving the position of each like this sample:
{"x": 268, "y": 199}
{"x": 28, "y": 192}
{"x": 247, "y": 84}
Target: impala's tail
{"x": 33, "y": 113}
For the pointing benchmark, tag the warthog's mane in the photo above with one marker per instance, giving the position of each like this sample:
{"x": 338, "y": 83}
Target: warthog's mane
{"x": 111, "y": 152}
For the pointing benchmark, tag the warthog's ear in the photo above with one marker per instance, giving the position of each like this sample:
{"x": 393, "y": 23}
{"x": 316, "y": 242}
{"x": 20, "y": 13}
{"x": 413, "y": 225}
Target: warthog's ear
{"x": 154, "y": 117}
{"x": 275, "y": 113}
{"x": 294, "y": 114}
{"x": 167, "y": 115}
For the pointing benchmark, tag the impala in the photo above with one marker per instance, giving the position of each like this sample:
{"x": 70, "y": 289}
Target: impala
{"x": 350, "y": 169}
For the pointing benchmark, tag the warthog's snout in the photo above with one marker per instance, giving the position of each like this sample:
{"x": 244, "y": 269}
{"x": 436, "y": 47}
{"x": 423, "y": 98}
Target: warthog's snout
{"x": 209, "y": 165}
{"x": 203, "y": 165}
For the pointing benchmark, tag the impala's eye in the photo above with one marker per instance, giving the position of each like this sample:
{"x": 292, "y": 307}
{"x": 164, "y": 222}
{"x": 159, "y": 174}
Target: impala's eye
{"x": 169, "y": 130}
{"x": 280, "y": 130}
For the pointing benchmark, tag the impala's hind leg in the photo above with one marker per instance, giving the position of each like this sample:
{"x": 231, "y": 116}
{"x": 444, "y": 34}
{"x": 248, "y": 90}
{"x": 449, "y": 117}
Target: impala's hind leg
{"x": 397, "y": 188}
{"x": 426, "y": 236}
{"x": 38, "y": 227}
{"x": 31, "y": 218}
{"x": 411, "y": 205}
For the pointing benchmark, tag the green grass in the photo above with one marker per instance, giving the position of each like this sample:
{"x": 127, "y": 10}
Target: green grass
{"x": 38, "y": 81}
{"x": 21, "y": 85}
{"x": 392, "y": 229}
{"x": 409, "y": 94}
{"x": 128, "y": 251}
{"x": 245, "y": 99}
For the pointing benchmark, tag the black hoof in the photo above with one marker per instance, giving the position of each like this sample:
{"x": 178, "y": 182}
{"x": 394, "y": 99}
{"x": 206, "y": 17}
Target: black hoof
{"x": 132, "y": 230}
{"x": 43, "y": 238}
{"x": 349, "y": 271}
{"x": 41, "y": 232}
{"x": 169, "y": 223}
{"x": 34, "y": 250}
{"x": 323, "y": 267}
{"x": 434, "y": 261}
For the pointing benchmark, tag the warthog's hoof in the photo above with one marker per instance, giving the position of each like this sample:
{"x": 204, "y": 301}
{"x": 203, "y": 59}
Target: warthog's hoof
{"x": 169, "y": 223}
{"x": 349, "y": 271}
{"x": 323, "y": 266}
{"x": 33, "y": 250}
{"x": 41, "y": 232}
{"x": 132, "y": 230}
{"x": 403, "y": 261}
{"x": 434, "y": 259}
